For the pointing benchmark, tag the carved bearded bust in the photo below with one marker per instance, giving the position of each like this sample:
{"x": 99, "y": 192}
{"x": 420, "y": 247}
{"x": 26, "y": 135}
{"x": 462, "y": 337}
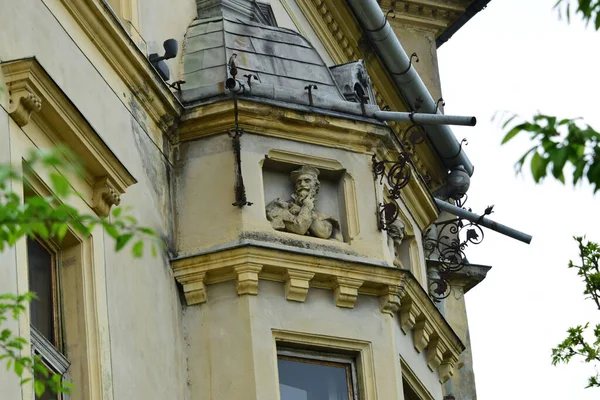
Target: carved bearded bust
{"x": 298, "y": 215}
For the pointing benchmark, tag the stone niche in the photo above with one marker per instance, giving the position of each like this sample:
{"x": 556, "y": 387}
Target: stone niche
{"x": 332, "y": 198}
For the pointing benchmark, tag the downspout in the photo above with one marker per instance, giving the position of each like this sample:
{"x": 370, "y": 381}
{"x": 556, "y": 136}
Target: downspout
{"x": 369, "y": 14}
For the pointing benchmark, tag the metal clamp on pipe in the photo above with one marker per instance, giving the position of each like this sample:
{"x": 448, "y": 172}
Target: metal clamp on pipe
{"x": 483, "y": 221}
{"x": 425, "y": 119}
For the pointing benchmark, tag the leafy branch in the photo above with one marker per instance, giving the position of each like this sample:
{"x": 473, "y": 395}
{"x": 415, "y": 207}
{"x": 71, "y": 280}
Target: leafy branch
{"x": 558, "y": 143}
{"x": 576, "y": 344}
{"x": 588, "y": 9}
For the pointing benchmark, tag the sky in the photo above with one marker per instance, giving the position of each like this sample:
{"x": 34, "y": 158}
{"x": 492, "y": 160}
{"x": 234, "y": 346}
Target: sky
{"x": 517, "y": 56}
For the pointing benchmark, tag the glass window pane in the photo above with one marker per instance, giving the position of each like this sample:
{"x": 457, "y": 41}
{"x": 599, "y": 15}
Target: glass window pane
{"x": 41, "y": 266}
{"x": 303, "y": 379}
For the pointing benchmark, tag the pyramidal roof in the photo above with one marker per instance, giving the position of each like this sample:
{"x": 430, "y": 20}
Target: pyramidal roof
{"x": 276, "y": 56}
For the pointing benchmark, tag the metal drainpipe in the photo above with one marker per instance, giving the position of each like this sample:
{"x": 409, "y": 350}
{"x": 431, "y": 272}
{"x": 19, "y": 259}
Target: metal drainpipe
{"x": 483, "y": 221}
{"x": 369, "y": 13}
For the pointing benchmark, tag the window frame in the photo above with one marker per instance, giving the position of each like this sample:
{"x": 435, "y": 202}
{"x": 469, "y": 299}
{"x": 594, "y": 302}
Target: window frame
{"x": 360, "y": 350}
{"x": 413, "y": 382}
{"x": 325, "y": 358}
{"x": 54, "y": 250}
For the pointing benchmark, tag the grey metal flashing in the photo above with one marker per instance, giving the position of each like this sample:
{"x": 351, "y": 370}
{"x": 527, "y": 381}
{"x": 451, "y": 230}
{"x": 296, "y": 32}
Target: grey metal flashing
{"x": 410, "y": 85}
{"x": 465, "y": 17}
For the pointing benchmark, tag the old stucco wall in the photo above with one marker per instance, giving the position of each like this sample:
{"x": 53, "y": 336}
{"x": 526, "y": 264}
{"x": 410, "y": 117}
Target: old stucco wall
{"x": 232, "y": 352}
{"x": 143, "y": 303}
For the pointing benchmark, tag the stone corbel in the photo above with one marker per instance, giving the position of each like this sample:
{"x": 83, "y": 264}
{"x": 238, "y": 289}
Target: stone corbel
{"x": 194, "y": 288}
{"x": 297, "y": 284}
{"x": 346, "y": 291}
{"x": 247, "y": 278}
{"x": 446, "y": 368}
{"x": 389, "y": 299}
{"x": 104, "y": 197}
{"x": 435, "y": 352}
{"x": 422, "y": 333}
{"x": 408, "y": 314}
{"x": 22, "y": 104}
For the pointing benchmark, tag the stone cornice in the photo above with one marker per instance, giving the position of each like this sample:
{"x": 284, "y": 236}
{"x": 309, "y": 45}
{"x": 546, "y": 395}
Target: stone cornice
{"x": 112, "y": 40}
{"x": 63, "y": 123}
{"x": 398, "y": 291}
{"x": 342, "y": 36}
{"x": 436, "y": 15}
{"x": 324, "y": 130}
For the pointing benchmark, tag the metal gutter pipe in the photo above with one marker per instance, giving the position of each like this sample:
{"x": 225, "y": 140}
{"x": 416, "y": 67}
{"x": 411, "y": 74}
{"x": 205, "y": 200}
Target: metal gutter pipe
{"x": 369, "y": 14}
{"x": 483, "y": 221}
{"x": 426, "y": 119}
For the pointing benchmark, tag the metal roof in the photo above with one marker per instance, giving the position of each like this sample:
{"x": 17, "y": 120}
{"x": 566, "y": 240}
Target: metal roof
{"x": 277, "y": 56}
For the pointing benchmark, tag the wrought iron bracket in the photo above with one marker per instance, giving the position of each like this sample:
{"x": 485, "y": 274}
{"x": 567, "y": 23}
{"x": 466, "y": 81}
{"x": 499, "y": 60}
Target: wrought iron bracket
{"x": 235, "y": 134}
{"x": 385, "y": 20}
{"x": 410, "y": 62}
{"x": 310, "y": 96}
{"x": 446, "y": 242}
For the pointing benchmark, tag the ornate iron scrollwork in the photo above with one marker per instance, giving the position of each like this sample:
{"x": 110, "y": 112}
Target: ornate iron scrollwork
{"x": 397, "y": 176}
{"x": 446, "y": 242}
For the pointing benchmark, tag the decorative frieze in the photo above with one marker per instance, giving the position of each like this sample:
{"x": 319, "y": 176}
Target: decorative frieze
{"x": 397, "y": 290}
{"x": 297, "y": 284}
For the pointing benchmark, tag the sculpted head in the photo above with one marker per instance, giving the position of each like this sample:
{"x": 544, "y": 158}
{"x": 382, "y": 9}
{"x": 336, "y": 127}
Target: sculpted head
{"x": 306, "y": 182}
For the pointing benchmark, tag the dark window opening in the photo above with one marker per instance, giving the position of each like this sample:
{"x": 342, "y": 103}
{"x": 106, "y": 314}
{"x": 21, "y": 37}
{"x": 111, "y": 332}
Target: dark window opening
{"x": 42, "y": 281}
{"x": 321, "y": 377}
{"x": 409, "y": 393}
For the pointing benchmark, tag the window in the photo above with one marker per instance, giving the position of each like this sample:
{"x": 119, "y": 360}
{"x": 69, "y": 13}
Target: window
{"x": 316, "y": 376}
{"x": 412, "y": 387}
{"x": 409, "y": 393}
{"x": 44, "y": 310}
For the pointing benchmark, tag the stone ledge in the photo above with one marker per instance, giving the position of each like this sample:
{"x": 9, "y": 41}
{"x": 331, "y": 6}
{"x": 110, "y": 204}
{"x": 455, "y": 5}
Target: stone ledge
{"x": 400, "y": 294}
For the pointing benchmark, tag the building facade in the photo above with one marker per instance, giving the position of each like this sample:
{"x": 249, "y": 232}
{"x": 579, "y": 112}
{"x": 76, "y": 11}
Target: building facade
{"x": 296, "y": 211}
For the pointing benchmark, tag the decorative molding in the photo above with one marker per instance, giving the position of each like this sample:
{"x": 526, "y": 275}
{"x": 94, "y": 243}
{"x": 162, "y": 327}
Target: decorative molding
{"x": 247, "y": 278}
{"x": 345, "y": 291}
{"x": 104, "y": 197}
{"x": 63, "y": 123}
{"x": 435, "y": 353}
{"x": 290, "y": 157}
{"x": 346, "y": 279}
{"x": 194, "y": 288}
{"x": 297, "y": 284}
{"x": 22, "y": 104}
{"x": 408, "y": 315}
{"x": 413, "y": 381}
{"x": 435, "y": 15}
{"x": 111, "y": 38}
{"x": 270, "y": 120}
{"x": 447, "y": 367}
{"x": 422, "y": 333}
{"x": 389, "y": 299}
